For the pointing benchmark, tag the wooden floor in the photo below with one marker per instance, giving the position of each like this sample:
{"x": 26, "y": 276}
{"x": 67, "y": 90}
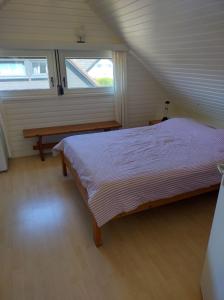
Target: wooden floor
{"x": 47, "y": 252}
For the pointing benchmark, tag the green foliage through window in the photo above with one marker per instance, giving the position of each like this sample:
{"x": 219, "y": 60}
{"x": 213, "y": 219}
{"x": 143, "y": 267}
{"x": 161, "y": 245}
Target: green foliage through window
{"x": 104, "y": 81}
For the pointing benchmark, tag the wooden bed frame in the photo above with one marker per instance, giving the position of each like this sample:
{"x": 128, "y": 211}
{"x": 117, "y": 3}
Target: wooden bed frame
{"x": 97, "y": 230}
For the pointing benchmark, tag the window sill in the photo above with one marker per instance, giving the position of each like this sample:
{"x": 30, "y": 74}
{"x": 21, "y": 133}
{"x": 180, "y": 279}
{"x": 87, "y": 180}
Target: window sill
{"x": 87, "y": 92}
{"x": 24, "y": 98}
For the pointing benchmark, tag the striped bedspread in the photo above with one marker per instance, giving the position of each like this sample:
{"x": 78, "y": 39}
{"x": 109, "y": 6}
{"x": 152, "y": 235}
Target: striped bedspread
{"x": 126, "y": 168}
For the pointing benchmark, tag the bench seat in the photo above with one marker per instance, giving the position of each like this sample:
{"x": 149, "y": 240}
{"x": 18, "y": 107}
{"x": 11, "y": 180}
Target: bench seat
{"x": 65, "y": 129}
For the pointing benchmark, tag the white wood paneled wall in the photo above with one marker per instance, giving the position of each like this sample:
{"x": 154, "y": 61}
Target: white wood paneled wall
{"x": 144, "y": 103}
{"x": 47, "y": 20}
{"x": 51, "y": 111}
{"x": 182, "y": 42}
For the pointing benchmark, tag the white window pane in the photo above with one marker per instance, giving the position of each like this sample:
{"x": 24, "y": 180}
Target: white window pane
{"x": 89, "y": 72}
{"x": 23, "y": 73}
{"x": 12, "y": 68}
{"x": 39, "y": 68}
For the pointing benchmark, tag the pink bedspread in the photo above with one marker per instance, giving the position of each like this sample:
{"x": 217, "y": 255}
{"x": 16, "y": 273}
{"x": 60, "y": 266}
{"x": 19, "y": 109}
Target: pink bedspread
{"x": 125, "y": 168}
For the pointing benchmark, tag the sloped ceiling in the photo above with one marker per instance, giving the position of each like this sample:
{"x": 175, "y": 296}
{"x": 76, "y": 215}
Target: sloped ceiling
{"x": 45, "y": 21}
{"x": 181, "y": 42}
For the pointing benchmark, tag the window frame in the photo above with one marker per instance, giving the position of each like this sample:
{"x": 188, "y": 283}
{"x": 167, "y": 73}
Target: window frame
{"x": 88, "y": 54}
{"x": 49, "y": 54}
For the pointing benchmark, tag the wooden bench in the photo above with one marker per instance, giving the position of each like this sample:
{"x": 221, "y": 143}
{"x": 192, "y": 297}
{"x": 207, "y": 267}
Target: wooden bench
{"x": 67, "y": 129}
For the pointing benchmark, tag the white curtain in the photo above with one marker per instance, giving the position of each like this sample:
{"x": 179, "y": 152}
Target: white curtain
{"x": 120, "y": 86}
{"x": 3, "y": 126}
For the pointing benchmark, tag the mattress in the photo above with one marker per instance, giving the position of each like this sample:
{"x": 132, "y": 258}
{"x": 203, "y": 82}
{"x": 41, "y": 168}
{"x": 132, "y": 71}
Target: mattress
{"x": 125, "y": 168}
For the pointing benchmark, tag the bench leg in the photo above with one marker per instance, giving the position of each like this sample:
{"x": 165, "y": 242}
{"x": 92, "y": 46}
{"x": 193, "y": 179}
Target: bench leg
{"x": 40, "y": 145}
{"x": 64, "y": 168}
{"x": 97, "y": 234}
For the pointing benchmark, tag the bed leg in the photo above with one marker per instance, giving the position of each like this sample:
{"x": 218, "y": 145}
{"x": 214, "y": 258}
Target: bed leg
{"x": 97, "y": 234}
{"x": 64, "y": 168}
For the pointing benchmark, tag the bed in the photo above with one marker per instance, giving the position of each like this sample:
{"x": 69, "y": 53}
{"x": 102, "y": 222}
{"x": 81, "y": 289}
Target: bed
{"x": 130, "y": 170}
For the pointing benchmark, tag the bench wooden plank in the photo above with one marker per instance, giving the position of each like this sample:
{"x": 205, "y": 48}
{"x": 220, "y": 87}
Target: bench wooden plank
{"x": 65, "y": 129}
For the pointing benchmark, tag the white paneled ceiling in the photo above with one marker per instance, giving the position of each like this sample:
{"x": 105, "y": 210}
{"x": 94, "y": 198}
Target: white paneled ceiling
{"x": 181, "y": 42}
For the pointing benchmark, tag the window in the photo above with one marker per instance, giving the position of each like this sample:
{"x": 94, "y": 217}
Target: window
{"x": 89, "y": 72}
{"x": 82, "y": 70}
{"x": 39, "y": 68}
{"x": 23, "y": 72}
{"x": 29, "y": 72}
